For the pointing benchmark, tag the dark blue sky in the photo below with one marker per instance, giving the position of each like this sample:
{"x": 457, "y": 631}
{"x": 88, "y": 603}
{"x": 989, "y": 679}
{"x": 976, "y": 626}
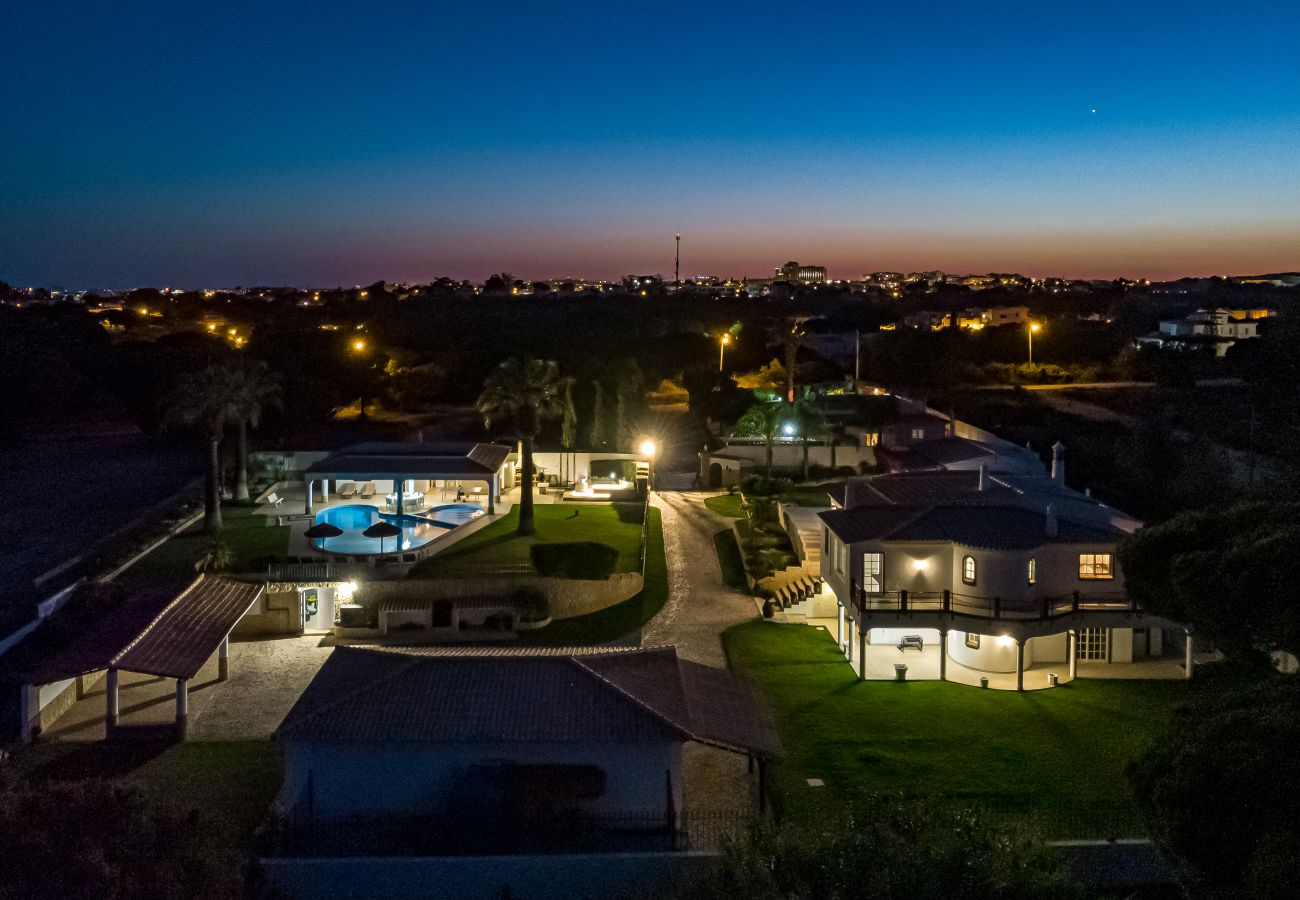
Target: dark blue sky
{"x": 330, "y": 143}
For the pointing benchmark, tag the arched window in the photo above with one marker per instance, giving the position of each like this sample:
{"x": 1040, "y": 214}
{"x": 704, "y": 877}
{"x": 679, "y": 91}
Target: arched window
{"x": 1033, "y": 570}
{"x": 968, "y": 569}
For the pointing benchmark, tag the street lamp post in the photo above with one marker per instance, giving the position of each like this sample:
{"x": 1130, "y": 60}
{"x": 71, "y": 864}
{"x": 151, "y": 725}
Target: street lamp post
{"x": 1033, "y": 326}
{"x": 722, "y": 348}
{"x": 648, "y": 449}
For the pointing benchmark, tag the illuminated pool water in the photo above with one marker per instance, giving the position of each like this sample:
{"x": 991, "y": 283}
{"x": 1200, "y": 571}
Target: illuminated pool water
{"x": 417, "y": 530}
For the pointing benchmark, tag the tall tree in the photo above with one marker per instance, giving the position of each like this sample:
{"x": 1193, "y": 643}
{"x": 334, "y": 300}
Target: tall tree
{"x": 526, "y": 392}
{"x": 763, "y": 420}
{"x": 1218, "y": 570}
{"x": 209, "y": 399}
{"x": 256, "y": 390}
{"x": 791, "y": 340}
{"x": 809, "y": 423}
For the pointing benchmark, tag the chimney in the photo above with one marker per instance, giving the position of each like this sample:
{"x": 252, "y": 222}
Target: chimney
{"x": 984, "y": 477}
{"x": 1049, "y": 525}
{"x": 1058, "y": 463}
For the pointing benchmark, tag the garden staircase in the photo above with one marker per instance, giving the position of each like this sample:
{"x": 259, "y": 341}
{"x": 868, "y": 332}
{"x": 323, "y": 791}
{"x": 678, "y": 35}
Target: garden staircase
{"x": 793, "y": 589}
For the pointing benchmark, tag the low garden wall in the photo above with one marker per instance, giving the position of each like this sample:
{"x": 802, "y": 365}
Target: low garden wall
{"x": 569, "y": 597}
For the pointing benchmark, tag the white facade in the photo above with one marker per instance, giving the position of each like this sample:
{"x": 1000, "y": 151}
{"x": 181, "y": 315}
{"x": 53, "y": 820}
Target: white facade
{"x": 389, "y": 779}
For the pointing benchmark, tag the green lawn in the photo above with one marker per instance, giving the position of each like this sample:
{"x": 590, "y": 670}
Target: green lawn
{"x": 726, "y": 505}
{"x": 1056, "y": 756}
{"x": 806, "y": 495}
{"x": 729, "y": 559}
{"x": 616, "y": 621}
{"x": 229, "y": 785}
{"x": 252, "y": 542}
{"x": 617, "y": 525}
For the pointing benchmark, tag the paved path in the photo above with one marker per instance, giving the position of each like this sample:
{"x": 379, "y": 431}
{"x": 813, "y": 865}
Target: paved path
{"x": 699, "y": 607}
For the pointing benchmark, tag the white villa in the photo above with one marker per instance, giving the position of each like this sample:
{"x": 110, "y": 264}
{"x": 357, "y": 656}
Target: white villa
{"x": 999, "y": 574}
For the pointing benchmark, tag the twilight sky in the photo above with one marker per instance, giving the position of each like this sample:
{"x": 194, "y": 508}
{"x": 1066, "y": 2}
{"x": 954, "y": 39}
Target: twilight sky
{"x": 334, "y": 143}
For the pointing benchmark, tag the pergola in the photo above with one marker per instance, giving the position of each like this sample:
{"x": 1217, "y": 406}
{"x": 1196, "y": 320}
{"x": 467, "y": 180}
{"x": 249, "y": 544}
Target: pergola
{"x": 401, "y": 462}
{"x": 173, "y": 642}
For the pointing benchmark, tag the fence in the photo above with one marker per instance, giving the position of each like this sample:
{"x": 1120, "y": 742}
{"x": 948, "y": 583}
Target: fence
{"x": 498, "y": 833}
{"x": 990, "y": 607}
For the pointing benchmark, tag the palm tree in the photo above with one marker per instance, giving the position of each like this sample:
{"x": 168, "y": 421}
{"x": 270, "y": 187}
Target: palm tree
{"x": 527, "y": 392}
{"x": 790, "y": 340}
{"x": 210, "y": 399}
{"x": 763, "y": 420}
{"x": 809, "y": 423}
{"x": 256, "y": 390}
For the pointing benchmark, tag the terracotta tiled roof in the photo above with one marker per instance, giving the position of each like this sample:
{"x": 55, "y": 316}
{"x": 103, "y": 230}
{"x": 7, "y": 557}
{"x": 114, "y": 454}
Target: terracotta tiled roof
{"x": 153, "y": 633}
{"x": 413, "y": 460}
{"x": 987, "y": 527}
{"x": 639, "y": 695}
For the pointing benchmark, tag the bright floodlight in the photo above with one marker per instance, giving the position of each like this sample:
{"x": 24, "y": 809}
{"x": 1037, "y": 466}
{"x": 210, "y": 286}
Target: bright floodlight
{"x": 1005, "y": 640}
{"x": 789, "y": 429}
{"x": 358, "y": 345}
{"x": 647, "y": 447}
{"x": 1034, "y": 327}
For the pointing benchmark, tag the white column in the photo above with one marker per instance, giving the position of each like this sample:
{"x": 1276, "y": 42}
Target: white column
{"x": 1020, "y": 665}
{"x": 862, "y": 653}
{"x": 113, "y": 706}
{"x": 1187, "y": 654}
{"x": 182, "y": 707}
{"x": 850, "y": 643}
{"x": 839, "y": 626}
{"x": 311, "y": 487}
{"x": 324, "y": 490}
{"x": 943, "y": 654}
{"x": 492, "y": 496}
{"x": 1073, "y": 651}
{"x": 223, "y": 659}
{"x": 29, "y": 708}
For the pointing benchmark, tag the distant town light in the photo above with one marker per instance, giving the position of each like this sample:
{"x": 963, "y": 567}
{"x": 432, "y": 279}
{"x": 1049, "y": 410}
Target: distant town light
{"x": 358, "y": 345}
{"x": 648, "y": 447}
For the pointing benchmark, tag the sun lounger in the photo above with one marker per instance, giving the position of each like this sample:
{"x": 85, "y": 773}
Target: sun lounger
{"x": 347, "y": 490}
{"x": 367, "y": 490}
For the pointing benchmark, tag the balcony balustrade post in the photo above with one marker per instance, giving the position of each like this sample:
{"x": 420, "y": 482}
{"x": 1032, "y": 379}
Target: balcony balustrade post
{"x": 902, "y": 601}
{"x": 997, "y": 607}
{"x": 947, "y": 600}
{"x": 1074, "y": 605}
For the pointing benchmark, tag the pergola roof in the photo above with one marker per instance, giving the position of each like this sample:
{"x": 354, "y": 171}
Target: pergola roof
{"x": 153, "y": 635}
{"x": 385, "y": 460}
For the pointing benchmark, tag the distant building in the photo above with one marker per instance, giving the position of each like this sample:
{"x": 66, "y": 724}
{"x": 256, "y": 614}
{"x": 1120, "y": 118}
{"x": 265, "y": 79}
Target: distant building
{"x": 971, "y": 319}
{"x": 795, "y": 273}
{"x": 1219, "y": 328}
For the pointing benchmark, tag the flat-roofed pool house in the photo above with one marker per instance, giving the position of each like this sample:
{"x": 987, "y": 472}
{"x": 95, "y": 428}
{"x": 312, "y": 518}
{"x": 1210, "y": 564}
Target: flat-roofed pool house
{"x": 997, "y": 574}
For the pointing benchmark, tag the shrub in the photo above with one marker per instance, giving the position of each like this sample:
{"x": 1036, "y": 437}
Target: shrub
{"x": 533, "y": 604}
{"x": 579, "y": 559}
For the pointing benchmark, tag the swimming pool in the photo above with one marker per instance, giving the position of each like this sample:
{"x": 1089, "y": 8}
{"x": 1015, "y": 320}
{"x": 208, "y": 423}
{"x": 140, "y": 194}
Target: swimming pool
{"x": 417, "y": 530}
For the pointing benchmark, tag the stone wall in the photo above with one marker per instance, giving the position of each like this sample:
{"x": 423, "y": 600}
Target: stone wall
{"x": 569, "y": 597}
{"x": 275, "y": 613}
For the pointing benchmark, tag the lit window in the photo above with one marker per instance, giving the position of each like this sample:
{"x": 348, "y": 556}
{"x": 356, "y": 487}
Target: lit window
{"x": 1095, "y": 565}
{"x": 873, "y": 573}
{"x": 1033, "y": 570}
{"x": 972, "y": 640}
{"x": 968, "y": 569}
{"x": 918, "y": 434}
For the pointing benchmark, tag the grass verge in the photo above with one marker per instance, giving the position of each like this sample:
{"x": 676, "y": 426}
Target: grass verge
{"x": 729, "y": 559}
{"x": 624, "y": 618}
{"x": 617, "y": 525}
{"x": 1055, "y": 756}
{"x": 730, "y": 505}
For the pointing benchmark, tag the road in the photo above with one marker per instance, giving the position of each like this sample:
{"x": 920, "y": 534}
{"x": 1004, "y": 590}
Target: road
{"x": 699, "y": 607}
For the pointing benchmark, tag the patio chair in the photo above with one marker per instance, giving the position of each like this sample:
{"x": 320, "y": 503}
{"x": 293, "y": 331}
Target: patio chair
{"x": 347, "y": 490}
{"x": 275, "y": 500}
{"x": 367, "y": 490}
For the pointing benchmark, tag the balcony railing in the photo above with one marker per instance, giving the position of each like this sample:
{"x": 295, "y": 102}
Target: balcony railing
{"x": 1046, "y": 607}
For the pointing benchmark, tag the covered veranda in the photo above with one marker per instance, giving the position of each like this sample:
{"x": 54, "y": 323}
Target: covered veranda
{"x": 404, "y": 478}
{"x": 149, "y": 639}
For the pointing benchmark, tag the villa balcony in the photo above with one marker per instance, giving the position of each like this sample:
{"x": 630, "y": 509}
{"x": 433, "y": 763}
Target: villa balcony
{"x": 1025, "y": 618}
